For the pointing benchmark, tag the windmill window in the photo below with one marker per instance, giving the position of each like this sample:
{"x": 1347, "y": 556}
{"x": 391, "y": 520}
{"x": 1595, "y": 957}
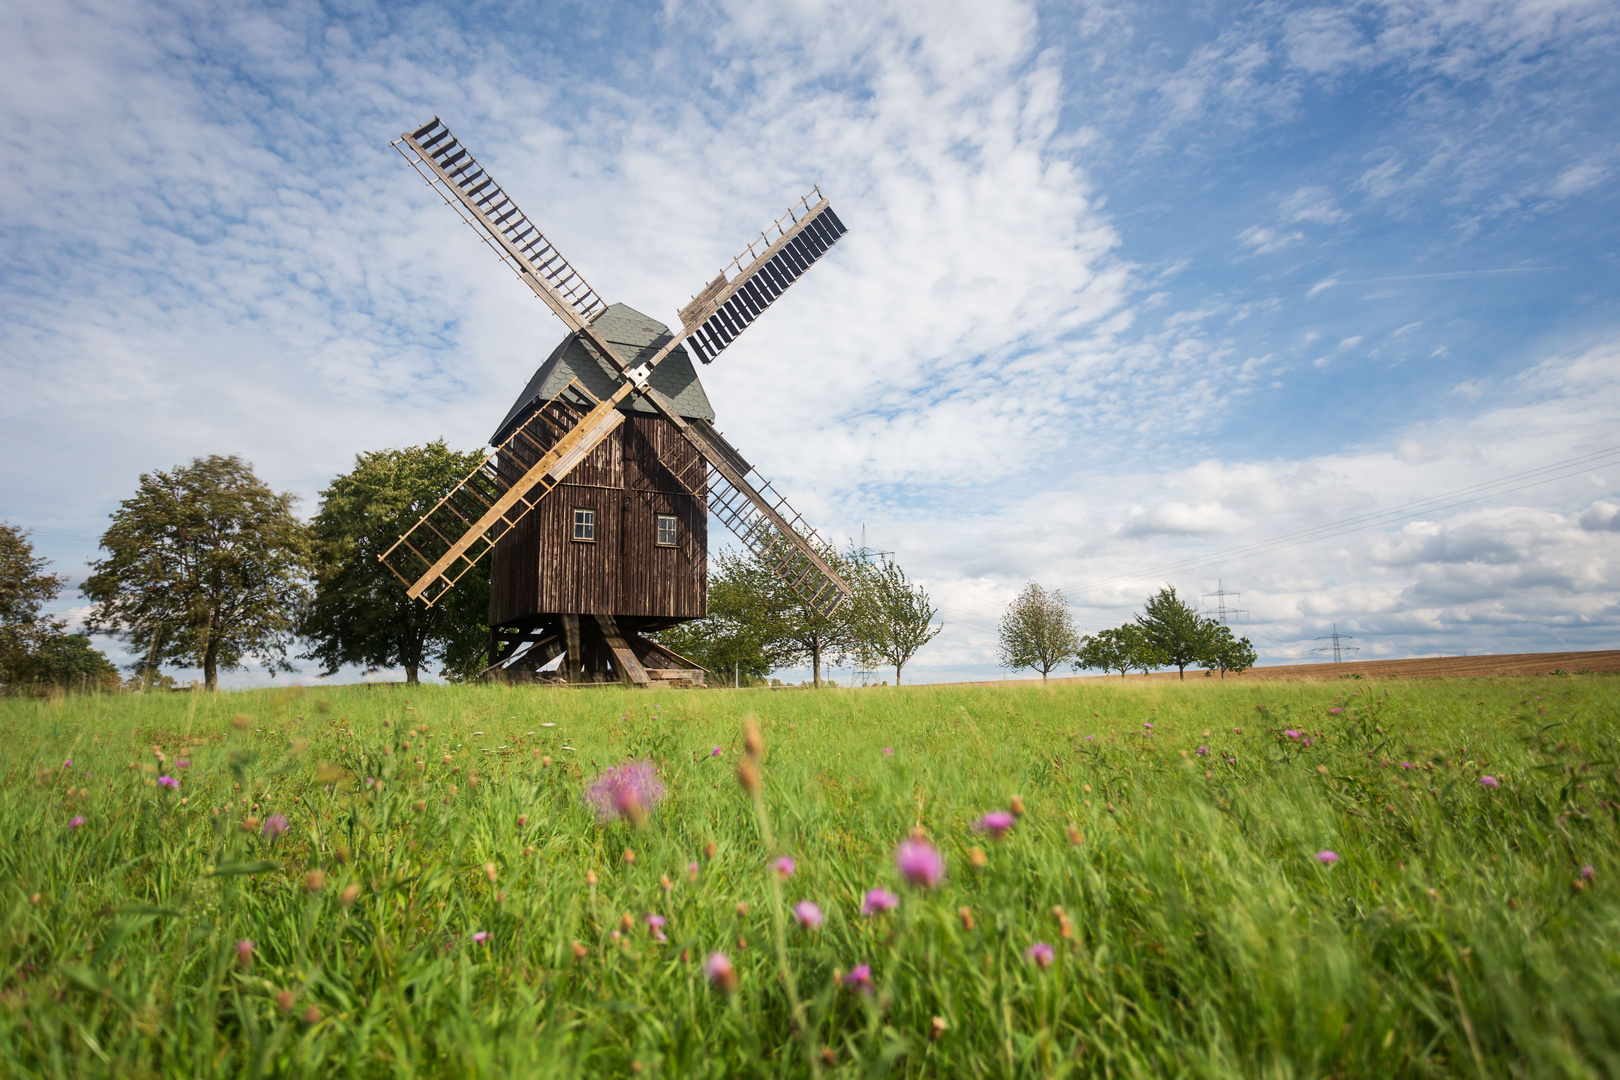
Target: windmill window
{"x": 584, "y": 524}
{"x": 666, "y": 530}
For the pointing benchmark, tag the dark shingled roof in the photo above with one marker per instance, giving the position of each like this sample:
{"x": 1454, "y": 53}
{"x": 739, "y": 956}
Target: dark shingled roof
{"x": 635, "y": 337}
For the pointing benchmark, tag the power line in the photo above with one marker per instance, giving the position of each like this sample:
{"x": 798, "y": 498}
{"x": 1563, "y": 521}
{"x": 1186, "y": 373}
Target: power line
{"x": 1336, "y": 648}
{"x": 1221, "y": 610}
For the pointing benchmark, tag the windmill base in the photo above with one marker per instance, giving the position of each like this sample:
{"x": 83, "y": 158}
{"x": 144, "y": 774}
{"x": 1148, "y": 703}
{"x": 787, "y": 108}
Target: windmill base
{"x": 595, "y": 649}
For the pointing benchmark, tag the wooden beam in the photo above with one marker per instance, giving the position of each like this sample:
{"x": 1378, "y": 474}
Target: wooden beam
{"x": 628, "y": 665}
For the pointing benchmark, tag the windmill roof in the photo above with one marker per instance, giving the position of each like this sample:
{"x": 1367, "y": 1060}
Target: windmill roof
{"x": 635, "y": 337}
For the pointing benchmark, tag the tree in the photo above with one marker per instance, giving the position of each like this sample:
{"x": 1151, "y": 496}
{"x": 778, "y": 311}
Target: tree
{"x": 206, "y": 568}
{"x": 1226, "y": 653}
{"x": 360, "y": 613}
{"x": 1037, "y": 631}
{"x": 892, "y": 617}
{"x": 1120, "y": 649}
{"x": 1174, "y": 629}
{"x": 727, "y": 642}
{"x": 71, "y": 662}
{"x": 24, "y": 589}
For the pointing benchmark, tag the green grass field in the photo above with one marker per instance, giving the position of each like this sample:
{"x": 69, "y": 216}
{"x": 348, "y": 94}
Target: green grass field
{"x": 1199, "y": 934}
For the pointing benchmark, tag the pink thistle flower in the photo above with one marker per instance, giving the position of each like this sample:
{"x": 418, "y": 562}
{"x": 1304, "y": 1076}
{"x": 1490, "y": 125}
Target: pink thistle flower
{"x": 1327, "y": 858}
{"x": 480, "y": 937}
{"x": 78, "y": 819}
{"x": 1308, "y": 742}
{"x": 274, "y": 826}
{"x": 718, "y": 970}
{"x": 692, "y": 870}
{"x": 655, "y": 924}
{"x": 1040, "y": 954}
{"x": 182, "y": 763}
{"x": 68, "y": 764}
{"x": 859, "y": 978}
{"x": 878, "y": 901}
{"x": 808, "y": 914}
{"x": 888, "y": 751}
{"x": 996, "y": 823}
{"x": 784, "y": 867}
{"x": 169, "y": 782}
{"x": 631, "y": 791}
{"x": 1588, "y": 873}
{"x": 1408, "y": 765}
{"x": 244, "y": 951}
{"x": 1489, "y": 781}
{"x": 1335, "y": 712}
{"x": 919, "y": 863}
{"x": 1148, "y": 726}
{"x": 715, "y": 752}
{"x": 1291, "y": 733}
{"x": 1202, "y": 750}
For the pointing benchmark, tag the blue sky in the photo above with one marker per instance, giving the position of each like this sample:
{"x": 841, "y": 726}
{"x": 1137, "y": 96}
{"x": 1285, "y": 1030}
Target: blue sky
{"x": 1126, "y": 286}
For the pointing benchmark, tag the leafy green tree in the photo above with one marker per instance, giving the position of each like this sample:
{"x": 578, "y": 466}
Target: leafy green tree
{"x": 206, "y": 568}
{"x": 360, "y": 613}
{"x": 25, "y": 587}
{"x": 892, "y": 618}
{"x": 71, "y": 662}
{"x": 1037, "y": 631}
{"x": 1174, "y": 629}
{"x": 1225, "y": 653}
{"x": 1122, "y": 648}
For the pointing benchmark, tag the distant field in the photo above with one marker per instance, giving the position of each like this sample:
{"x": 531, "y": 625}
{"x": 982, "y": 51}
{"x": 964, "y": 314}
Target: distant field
{"x": 474, "y": 918}
{"x": 1425, "y": 667}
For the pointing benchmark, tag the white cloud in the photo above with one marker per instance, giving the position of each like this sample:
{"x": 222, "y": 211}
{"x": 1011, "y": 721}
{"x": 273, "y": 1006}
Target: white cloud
{"x": 1314, "y": 205}
{"x": 1264, "y": 240}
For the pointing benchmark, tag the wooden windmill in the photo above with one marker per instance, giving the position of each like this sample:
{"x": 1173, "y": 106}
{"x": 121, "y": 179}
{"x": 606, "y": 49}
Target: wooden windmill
{"x": 596, "y": 497}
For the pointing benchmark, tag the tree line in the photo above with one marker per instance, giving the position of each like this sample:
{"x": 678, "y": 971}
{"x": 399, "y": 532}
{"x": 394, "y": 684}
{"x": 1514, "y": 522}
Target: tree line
{"x": 1038, "y": 632}
{"x": 207, "y": 567}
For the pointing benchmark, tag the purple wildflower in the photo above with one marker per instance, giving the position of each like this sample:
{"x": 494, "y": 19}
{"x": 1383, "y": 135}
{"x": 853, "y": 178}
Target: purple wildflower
{"x": 1148, "y": 726}
{"x": 1408, "y": 765}
{"x": 859, "y": 978}
{"x": 68, "y": 764}
{"x": 717, "y": 968}
{"x": 1202, "y": 750}
{"x": 244, "y": 952}
{"x": 1291, "y": 733}
{"x": 655, "y": 923}
{"x": 1040, "y": 954}
{"x": 919, "y": 863}
{"x": 182, "y": 763}
{"x": 168, "y": 782}
{"x": 480, "y": 937}
{"x": 1308, "y": 742}
{"x": 1489, "y": 781}
{"x": 274, "y": 826}
{"x": 1335, "y": 711}
{"x": 996, "y": 823}
{"x": 878, "y": 901}
{"x": 1588, "y": 873}
{"x": 808, "y": 914}
{"x": 888, "y": 751}
{"x": 78, "y": 819}
{"x": 631, "y": 791}
{"x": 1327, "y": 858}
{"x": 784, "y": 867}
{"x": 715, "y": 752}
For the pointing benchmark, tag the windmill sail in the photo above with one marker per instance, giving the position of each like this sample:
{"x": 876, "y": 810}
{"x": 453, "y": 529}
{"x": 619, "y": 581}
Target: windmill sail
{"x": 449, "y": 540}
{"x": 728, "y": 306}
{"x": 451, "y": 170}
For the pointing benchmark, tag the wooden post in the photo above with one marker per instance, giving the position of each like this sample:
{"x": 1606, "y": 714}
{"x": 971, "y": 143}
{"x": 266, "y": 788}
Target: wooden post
{"x": 574, "y": 662}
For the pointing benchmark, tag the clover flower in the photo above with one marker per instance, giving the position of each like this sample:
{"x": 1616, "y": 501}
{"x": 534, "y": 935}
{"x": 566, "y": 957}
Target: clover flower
{"x": 808, "y": 914}
{"x": 718, "y": 970}
{"x": 996, "y": 823}
{"x": 631, "y": 790}
{"x": 919, "y": 863}
{"x": 859, "y": 978}
{"x": 1040, "y": 954}
{"x": 878, "y": 901}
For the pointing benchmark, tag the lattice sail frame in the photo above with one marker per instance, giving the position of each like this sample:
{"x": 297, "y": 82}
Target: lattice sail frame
{"x": 488, "y": 502}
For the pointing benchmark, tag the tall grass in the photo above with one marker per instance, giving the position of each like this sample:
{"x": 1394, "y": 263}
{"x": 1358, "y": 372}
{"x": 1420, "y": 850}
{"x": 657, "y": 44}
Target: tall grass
{"x": 1195, "y": 931}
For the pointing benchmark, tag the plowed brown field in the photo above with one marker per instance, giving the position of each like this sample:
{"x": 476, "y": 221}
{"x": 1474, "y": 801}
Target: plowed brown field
{"x": 1424, "y": 667}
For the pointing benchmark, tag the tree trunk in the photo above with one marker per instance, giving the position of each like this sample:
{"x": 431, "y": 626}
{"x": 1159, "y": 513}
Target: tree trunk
{"x": 210, "y": 669}
{"x": 1183, "y": 669}
{"x": 815, "y": 667}
{"x": 897, "y": 668}
{"x": 410, "y": 674}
